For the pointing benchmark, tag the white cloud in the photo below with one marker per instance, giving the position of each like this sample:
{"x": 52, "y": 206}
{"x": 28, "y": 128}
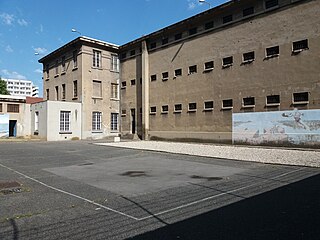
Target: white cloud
{"x": 40, "y": 50}
{"x": 13, "y": 74}
{"x": 7, "y": 19}
{"x": 22, "y": 22}
{"x": 191, "y": 5}
{"x": 9, "y": 49}
{"x": 38, "y": 70}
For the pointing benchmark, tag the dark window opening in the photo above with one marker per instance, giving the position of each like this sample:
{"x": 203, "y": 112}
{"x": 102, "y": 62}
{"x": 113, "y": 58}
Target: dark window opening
{"x": 208, "y": 66}
{"x": 153, "y": 77}
{"x": 208, "y": 105}
{"x": 165, "y": 108}
{"x": 192, "y": 106}
{"x": 153, "y": 45}
{"x": 271, "y": 3}
{"x": 192, "y": 31}
{"x": 153, "y": 109}
{"x": 178, "y": 72}
{"x": 249, "y": 56}
{"x": 165, "y": 41}
{"x": 248, "y": 11}
{"x": 227, "y": 19}
{"x": 273, "y": 100}
{"x": 123, "y": 55}
{"x": 165, "y": 76}
{"x": 248, "y": 101}
{"x": 123, "y": 84}
{"x": 193, "y": 69}
{"x": 133, "y": 82}
{"x": 132, "y": 52}
{"x": 302, "y": 97}
{"x": 227, "y": 61}
{"x": 300, "y": 45}
{"x": 272, "y": 51}
{"x": 227, "y": 103}
{"x": 178, "y": 36}
{"x": 178, "y": 107}
{"x": 209, "y": 25}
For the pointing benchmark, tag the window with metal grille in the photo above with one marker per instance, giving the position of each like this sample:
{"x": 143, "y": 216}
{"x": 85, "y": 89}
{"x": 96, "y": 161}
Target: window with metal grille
{"x": 227, "y": 19}
{"x": 178, "y": 72}
{"x": 192, "y": 107}
{"x": 178, "y": 107}
{"x": 133, "y": 82}
{"x": 300, "y": 45}
{"x": 208, "y": 105}
{"x": 227, "y": 61}
{"x": 165, "y": 76}
{"x": 208, "y": 25}
{"x": 96, "y": 121}
{"x": 227, "y": 104}
{"x": 65, "y": 121}
{"x": 208, "y": 66}
{"x": 273, "y": 100}
{"x": 193, "y": 69}
{"x": 248, "y": 57}
{"x": 271, "y": 3}
{"x": 153, "y": 110}
{"x": 248, "y": 11}
{"x": 114, "y": 122}
{"x": 300, "y": 98}
{"x": 165, "y": 109}
{"x": 96, "y": 59}
{"x": 248, "y": 102}
{"x": 153, "y": 77}
{"x": 272, "y": 51}
{"x": 123, "y": 84}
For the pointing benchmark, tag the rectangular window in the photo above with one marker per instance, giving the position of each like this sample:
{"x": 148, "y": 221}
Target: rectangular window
{"x": 178, "y": 36}
{"x": 123, "y": 112}
{"x": 114, "y": 122}
{"x": 96, "y": 59}
{"x": 153, "y": 110}
{"x": 193, "y": 69}
{"x": 227, "y": 19}
{"x": 227, "y": 104}
{"x": 133, "y": 82}
{"x": 164, "y": 109}
{"x": 153, "y": 45}
{"x": 248, "y": 102}
{"x": 208, "y": 105}
{"x": 298, "y": 46}
{"x": 63, "y": 93}
{"x": 65, "y": 121}
{"x": 301, "y": 98}
{"x": 248, "y": 11}
{"x": 248, "y": 57}
{"x": 132, "y": 52}
{"x": 57, "y": 67}
{"x": 165, "y": 76}
{"x": 114, "y": 63}
{"x": 75, "y": 59}
{"x": 57, "y": 92}
{"x": 47, "y": 71}
{"x": 272, "y": 51}
{"x": 123, "y": 55}
{"x": 227, "y": 62}
{"x": 209, "y": 25}
{"x": 273, "y": 100}
{"x": 178, "y": 72}
{"x": 63, "y": 64}
{"x": 208, "y": 66}
{"x": 192, "y": 31}
{"x": 96, "y": 121}
{"x": 123, "y": 84}
{"x": 165, "y": 41}
{"x": 271, "y": 3}
{"x": 75, "y": 88}
{"x": 36, "y": 121}
{"x": 178, "y": 108}
{"x": 192, "y": 107}
{"x": 0, "y": 107}
{"x": 47, "y": 93}
{"x": 153, "y": 77}
{"x": 114, "y": 90}
{"x": 96, "y": 88}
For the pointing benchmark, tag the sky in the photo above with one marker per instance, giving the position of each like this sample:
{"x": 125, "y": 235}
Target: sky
{"x": 30, "y": 26}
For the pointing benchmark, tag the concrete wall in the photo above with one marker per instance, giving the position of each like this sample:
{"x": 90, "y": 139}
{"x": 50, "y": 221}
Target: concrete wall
{"x": 41, "y": 108}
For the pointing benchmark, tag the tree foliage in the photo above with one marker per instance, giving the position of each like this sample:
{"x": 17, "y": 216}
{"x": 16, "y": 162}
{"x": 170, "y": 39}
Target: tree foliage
{"x": 3, "y": 87}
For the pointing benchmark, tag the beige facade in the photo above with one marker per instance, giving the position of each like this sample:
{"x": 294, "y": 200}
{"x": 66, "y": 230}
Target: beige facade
{"x": 86, "y": 71}
{"x": 242, "y": 56}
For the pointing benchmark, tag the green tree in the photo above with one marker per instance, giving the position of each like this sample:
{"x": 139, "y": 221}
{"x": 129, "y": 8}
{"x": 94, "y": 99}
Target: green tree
{"x": 3, "y": 87}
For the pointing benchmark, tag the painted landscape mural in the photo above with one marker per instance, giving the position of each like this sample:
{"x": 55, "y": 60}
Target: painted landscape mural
{"x": 4, "y": 125}
{"x": 298, "y": 127}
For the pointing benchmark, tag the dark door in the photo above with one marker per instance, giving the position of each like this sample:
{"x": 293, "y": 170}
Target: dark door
{"x": 12, "y": 128}
{"x": 133, "y": 121}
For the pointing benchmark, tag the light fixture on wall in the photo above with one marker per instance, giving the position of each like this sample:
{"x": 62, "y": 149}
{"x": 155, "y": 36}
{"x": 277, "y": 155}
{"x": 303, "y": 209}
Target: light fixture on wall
{"x": 204, "y": 1}
{"x": 75, "y": 31}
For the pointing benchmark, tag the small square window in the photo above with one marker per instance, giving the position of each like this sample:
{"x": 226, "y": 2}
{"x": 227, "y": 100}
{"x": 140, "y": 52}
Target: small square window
{"x": 227, "y": 104}
{"x": 153, "y": 45}
{"x": 209, "y": 25}
{"x": 178, "y": 72}
{"x": 248, "y": 11}
{"x": 192, "y": 31}
{"x": 153, "y": 110}
{"x": 248, "y": 57}
{"x": 208, "y": 105}
{"x": 248, "y": 102}
{"x": 272, "y": 51}
{"x": 123, "y": 84}
{"x": 132, "y": 52}
{"x": 153, "y": 77}
{"x": 123, "y": 55}
{"x": 193, "y": 69}
{"x": 165, "y": 41}
{"x": 178, "y": 108}
{"x": 227, "y": 19}
{"x": 271, "y": 3}
{"x": 301, "y": 98}
{"x": 123, "y": 112}
{"x": 273, "y": 100}
{"x": 165, "y": 109}
{"x": 133, "y": 82}
{"x": 227, "y": 62}
{"x": 299, "y": 46}
{"x": 208, "y": 66}
{"x": 178, "y": 36}
{"x": 165, "y": 76}
{"x": 192, "y": 107}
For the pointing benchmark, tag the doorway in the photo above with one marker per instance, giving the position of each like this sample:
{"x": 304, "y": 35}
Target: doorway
{"x": 12, "y": 128}
{"x": 133, "y": 121}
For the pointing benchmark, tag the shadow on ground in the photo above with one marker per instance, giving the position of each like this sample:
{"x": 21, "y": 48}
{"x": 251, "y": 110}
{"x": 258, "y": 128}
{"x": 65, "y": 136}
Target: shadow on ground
{"x": 290, "y": 212}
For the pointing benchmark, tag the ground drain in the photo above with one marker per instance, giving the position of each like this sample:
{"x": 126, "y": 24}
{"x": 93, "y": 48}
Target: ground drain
{"x": 134, "y": 174}
{"x": 207, "y": 178}
{"x": 86, "y": 164}
{"x": 7, "y": 187}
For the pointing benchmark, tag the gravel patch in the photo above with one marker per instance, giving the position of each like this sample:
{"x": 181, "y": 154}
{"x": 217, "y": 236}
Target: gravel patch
{"x": 310, "y": 158}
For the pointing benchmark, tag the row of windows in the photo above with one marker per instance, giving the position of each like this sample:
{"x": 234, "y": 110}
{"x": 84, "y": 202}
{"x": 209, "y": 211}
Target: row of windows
{"x": 63, "y": 91}
{"x": 97, "y": 121}
{"x": 18, "y": 83}
{"x": 248, "y": 11}
{"x": 227, "y": 104}
{"x": 11, "y": 108}
{"x": 247, "y": 58}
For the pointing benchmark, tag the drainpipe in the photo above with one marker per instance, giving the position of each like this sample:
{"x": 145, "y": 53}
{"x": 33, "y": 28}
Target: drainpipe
{"x": 145, "y": 91}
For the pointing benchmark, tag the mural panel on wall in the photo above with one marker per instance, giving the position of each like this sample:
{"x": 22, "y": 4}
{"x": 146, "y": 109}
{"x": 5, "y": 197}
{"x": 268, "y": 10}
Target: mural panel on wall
{"x": 299, "y": 127}
{"x": 4, "y": 125}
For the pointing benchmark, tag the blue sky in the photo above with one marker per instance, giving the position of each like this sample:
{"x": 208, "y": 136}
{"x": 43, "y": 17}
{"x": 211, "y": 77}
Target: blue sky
{"x": 29, "y": 26}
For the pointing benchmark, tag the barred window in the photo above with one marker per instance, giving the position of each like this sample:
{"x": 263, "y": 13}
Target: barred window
{"x": 96, "y": 121}
{"x": 13, "y": 108}
{"x": 114, "y": 122}
{"x": 65, "y": 121}
{"x": 96, "y": 58}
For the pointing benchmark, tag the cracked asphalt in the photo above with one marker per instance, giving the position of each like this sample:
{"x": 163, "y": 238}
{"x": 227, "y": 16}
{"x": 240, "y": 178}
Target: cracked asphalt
{"x": 78, "y": 190}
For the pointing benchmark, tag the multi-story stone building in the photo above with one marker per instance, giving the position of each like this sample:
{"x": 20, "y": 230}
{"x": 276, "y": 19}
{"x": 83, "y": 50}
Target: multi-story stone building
{"x": 245, "y": 71}
{"x": 23, "y": 88}
{"x": 84, "y": 71}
